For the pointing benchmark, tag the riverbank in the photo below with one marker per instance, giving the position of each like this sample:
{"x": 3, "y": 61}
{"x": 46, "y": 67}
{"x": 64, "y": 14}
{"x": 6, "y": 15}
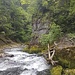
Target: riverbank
{"x": 6, "y": 42}
{"x": 64, "y": 54}
{"x": 11, "y": 45}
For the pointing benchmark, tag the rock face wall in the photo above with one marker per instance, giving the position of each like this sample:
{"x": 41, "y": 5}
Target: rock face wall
{"x": 39, "y": 28}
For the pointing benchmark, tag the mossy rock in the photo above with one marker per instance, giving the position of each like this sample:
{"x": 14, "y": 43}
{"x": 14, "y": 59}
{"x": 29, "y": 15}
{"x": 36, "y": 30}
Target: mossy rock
{"x": 64, "y": 62}
{"x": 69, "y": 72}
{"x": 66, "y": 57}
{"x": 33, "y": 49}
{"x": 56, "y": 70}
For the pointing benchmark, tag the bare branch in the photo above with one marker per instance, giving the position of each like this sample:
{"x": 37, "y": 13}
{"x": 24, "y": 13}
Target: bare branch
{"x": 53, "y": 52}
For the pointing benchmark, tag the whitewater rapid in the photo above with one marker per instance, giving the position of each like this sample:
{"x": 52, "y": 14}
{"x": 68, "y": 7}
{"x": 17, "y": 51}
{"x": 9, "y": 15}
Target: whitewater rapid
{"x": 23, "y": 63}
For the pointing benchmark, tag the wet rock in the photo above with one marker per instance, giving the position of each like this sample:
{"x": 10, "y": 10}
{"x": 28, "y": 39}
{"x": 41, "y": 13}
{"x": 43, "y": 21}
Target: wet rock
{"x": 1, "y": 55}
{"x": 7, "y": 55}
{"x": 11, "y": 71}
{"x": 44, "y": 72}
{"x": 69, "y": 72}
{"x": 66, "y": 57}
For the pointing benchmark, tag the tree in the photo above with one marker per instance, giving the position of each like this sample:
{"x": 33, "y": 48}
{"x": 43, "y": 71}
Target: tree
{"x": 48, "y": 39}
{"x": 15, "y": 21}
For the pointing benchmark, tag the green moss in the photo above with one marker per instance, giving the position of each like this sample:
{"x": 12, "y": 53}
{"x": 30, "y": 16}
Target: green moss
{"x": 33, "y": 49}
{"x": 69, "y": 72}
{"x": 65, "y": 63}
{"x": 66, "y": 57}
{"x": 56, "y": 70}
{"x": 26, "y": 49}
{"x": 72, "y": 64}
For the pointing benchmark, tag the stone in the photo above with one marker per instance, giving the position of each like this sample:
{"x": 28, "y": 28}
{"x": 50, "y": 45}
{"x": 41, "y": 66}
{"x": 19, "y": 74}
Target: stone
{"x": 57, "y": 70}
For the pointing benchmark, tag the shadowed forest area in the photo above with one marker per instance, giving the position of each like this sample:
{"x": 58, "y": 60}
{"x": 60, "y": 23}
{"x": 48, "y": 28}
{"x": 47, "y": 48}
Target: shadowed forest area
{"x": 46, "y": 27}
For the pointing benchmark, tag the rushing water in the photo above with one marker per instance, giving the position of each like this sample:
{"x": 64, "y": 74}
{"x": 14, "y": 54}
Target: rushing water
{"x": 23, "y": 63}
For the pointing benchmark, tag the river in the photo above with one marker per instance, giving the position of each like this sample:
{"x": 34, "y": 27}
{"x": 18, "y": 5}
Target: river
{"x": 23, "y": 63}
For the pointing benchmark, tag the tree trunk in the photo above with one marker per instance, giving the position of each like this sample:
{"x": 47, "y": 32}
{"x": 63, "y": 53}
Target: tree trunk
{"x": 50, "y": 55}
{"x": 49, "y": 52}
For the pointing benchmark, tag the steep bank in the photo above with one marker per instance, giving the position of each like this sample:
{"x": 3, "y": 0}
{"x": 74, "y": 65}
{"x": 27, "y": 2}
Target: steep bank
{"x": 6, "y": 42}
{"x": 65, "y": 54}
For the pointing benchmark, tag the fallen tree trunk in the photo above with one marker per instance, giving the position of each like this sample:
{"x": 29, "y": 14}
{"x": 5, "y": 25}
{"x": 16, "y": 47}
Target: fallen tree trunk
{"x": 50, "y": 55}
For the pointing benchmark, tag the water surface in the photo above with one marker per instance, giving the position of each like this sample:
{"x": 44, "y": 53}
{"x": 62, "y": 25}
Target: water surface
{"x": 23, "y": 63}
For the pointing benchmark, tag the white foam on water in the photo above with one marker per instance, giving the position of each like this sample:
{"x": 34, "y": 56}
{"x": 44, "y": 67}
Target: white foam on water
{"x": 31, "y": 62}
{"x": 29, "y": 72}
{"x": 38, "y": 63}
{"x": 6, "y": 64}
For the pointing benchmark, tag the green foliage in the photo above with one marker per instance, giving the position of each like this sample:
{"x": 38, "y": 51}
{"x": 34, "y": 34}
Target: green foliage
{"x": 60, "y": 12}
{"x": 15, "y": 21}
{"x": 53, "y": 35}
{"x": 25, "y": 1}
{"x": 44, "y": 3}
{"x": 71, "y": 35}
{"x": 16, "y": 17}
{"x": 72, "y": 7}
{"x": 65, "y": 63}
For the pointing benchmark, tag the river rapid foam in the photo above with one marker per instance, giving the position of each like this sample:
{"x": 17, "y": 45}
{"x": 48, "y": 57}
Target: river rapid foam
{"x": 23, "y": 63}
